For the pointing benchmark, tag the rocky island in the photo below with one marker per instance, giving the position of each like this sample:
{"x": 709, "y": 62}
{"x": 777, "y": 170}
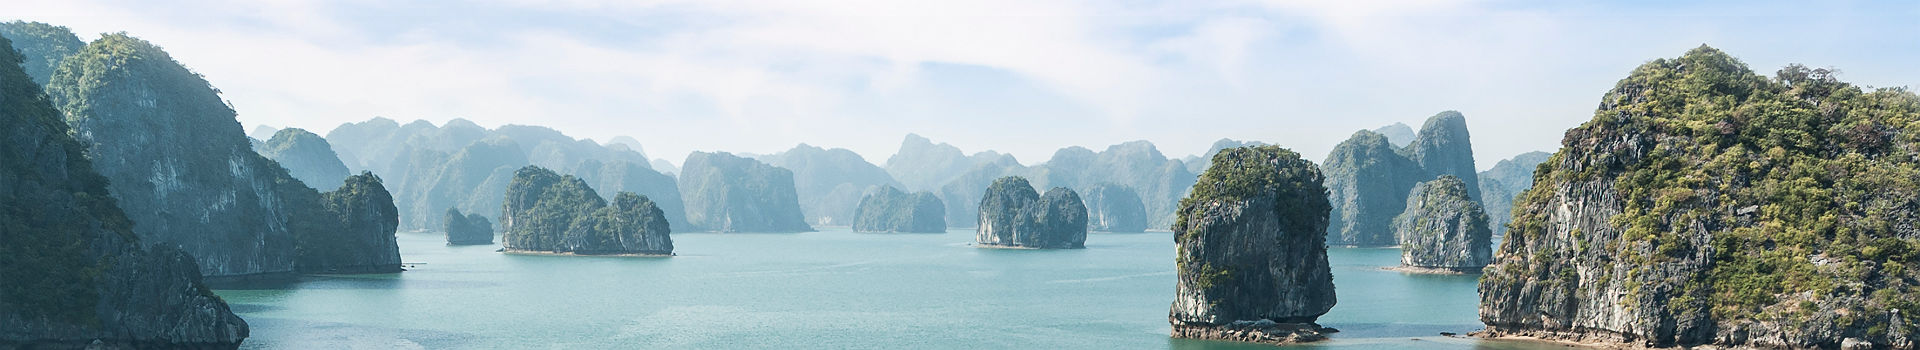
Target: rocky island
{"x": 546, "y": 213}
{"x": 468, "y": 229}
{"x": 1251, "y": 250}
{"x": 352, "y": 231}
{"x": 830, "y": 183}
{"x": 728, "y": 193}
{"x": 1507, "y": 179}
{"x": 306, "y": 156}
{"x": 178, "y": 162}
{"x": 1444, "y": 147}
{"x": 1707, "y": 205}
{"x": 1012, "y": 215}
{"x": 887, "y": 209}
{"x": 1443, "y": 231}
{"x": 76, "y": 275}
{"x": 1369, "y": 178}
{"x": 1115, "y": 208}
{"x": 1367, "y": 183}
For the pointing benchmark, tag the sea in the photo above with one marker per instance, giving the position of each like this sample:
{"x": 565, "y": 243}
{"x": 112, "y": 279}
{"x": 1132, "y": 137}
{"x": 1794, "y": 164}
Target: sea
{"x": 832, "y": 289}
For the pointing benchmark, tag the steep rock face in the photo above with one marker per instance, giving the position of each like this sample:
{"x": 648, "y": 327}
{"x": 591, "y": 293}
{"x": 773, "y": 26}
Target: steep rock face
{"x": 42, "y": 46}
{"x": 462, "y": 165}
{"x": 727, "y": 193}
{"x": 306, "y": 156}
{"x": 472, "y": 179}
{"x": 1013, "y": 215}
{"x": 1367, "y": 182}
{"x": 75, "y": 271}
{"x": 546, "y": 212}
{"x": 1443, "y": 229}
{"x": 1444, "y": 147}
{"x": 1399, "y": 134}
{"x": 1138, "y": 165}
{"x": 887, "y": 209}
{"x": 1115, "y": 208}
{"x": 465, "y": 229}
{"x": 921, "y": 165}
{"x": 959, "y": 194}
{"x": 1705, "y": 204}
{"x": 177, "y": 159}
{"x": 1198, "y": 164}
{"x": 624, "y": 176}
{"x": 829, "y": 182}
{"x": 1251, "y": 253}
{"x": 1507, "y": 179}
{"x": 363, "y": 221}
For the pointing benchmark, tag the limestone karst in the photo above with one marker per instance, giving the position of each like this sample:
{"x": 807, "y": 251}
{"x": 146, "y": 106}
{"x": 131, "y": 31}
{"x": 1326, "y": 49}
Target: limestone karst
{"x": 468, "y": 229}
{"x": 1443, "y": 230}
{"x": 1506, "y": 180}
{"x": 306, "y": 156}
{"x": 1013, "y": 215}
{"x": 545, "y": 212}
{"x": 1115, "y": 208}
{"x": 76, "y": 275}
{"x": 728, "y": 193}
{"x": 829, "y": 182}
{"x": 1367, "y": 182}
{"x": 888, "y": 209}
{"x": 1250, "y": 260}
{"x": 1707, "y": 205}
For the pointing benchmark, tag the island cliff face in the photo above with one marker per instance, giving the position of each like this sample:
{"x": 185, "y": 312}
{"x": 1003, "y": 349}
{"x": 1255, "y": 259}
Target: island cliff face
{"x": 1444, "y": 147}
{"x": 1012, "y": 215}
{"x": 1115, "y": 208}
{"x": 1251, "y": 253}
{"x": 177, "y": 159}
{"x": 960, "y": 195}
{"x": 464, "y": 166}
{"x": 1368, "y": 178}
{"x": 1368, "y": 182}
{"x": 464, "y": 229}
{"x": 306, "y": 156}
{"x": 75, "y": 273}
{"x": 829, "y": 182}
{"x": 921, "y": 165}
{"x": 548, "y": 213}
{"x": 1508, "y": 179}
{"x": 1705, "y": 204}
{"x": 1443, "y": 230}
{"x": 1138, "y": 165}
{"x": 357, "y": 236}
{"x": 726, "y": 193}
{"x": 887, "y": 209}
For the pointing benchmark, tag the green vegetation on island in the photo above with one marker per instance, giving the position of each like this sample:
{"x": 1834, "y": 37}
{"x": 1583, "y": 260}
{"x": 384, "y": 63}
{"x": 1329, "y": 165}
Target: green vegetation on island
{"x": 1706, "y": 204}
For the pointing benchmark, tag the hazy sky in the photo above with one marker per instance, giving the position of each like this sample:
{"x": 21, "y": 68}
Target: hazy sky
{"x": 1025, "y": 77}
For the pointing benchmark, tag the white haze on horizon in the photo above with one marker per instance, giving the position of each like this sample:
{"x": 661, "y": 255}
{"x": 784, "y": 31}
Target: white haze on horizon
{"x": 1019, "y": 77}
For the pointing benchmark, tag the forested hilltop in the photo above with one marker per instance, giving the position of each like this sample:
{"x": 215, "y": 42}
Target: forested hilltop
{"x": 1708, "y": 204}
{"x": 75, "y": 273}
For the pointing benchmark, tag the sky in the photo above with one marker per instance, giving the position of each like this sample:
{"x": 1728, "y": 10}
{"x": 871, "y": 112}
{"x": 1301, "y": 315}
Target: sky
{"x": 1023, "y": 77}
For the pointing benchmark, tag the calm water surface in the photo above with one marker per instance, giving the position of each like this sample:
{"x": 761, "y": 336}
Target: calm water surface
{"x": 830, "y": 289}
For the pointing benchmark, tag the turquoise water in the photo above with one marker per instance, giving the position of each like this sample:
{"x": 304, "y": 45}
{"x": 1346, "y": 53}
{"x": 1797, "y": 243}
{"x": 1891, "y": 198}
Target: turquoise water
{"x": 832, "y": 289}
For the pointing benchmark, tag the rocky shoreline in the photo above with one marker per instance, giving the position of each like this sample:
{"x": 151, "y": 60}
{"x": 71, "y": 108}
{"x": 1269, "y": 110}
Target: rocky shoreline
{"x": 1433, "y": 270}
{"x": 1261, "y": 331}
{"x": 616, "y": 254}
{"x": 1599, "y": 339}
